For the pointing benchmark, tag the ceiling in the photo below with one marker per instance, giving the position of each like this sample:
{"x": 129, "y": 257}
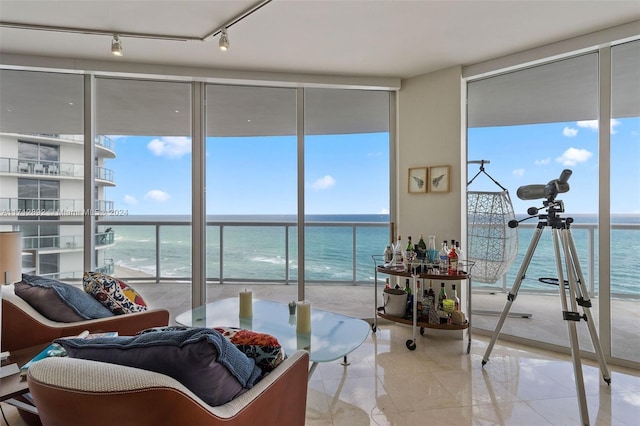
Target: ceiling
{"x": 350, "y": 39}
{"x": 376, "y": 38}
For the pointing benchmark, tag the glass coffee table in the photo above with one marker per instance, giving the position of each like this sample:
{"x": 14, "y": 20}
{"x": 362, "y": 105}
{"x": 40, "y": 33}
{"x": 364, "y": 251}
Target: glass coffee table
{"x": 333, "y": 336}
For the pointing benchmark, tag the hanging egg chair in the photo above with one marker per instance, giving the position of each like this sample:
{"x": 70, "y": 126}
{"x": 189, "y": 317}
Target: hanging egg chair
{"x": 491, "y": 244}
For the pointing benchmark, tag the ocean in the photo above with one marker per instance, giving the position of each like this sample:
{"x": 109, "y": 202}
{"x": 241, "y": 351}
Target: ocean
{"x": 256, "y": 251}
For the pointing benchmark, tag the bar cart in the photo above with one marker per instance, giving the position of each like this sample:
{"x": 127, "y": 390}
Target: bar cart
{"x": 415, "y": 273}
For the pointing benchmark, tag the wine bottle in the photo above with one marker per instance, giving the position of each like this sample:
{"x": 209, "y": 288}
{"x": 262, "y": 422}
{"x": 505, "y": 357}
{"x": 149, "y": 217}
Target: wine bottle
{"x": 441, "y": 296}
{"x": 456, "y": 299}
{"x": 422, "y": 248}
{"x": 453, "y": 260}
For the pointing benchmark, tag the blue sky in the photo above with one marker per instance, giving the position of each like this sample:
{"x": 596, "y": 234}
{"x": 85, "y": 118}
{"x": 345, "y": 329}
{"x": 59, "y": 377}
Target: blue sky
{"x": 347, "y": 174}
{"x": 344, "y": 174}
{"x": 537, "y": 153}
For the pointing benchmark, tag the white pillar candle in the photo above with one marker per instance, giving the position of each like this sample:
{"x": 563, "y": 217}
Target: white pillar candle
{"x": 246, "y": 304}
{"x": 304, "y": 317}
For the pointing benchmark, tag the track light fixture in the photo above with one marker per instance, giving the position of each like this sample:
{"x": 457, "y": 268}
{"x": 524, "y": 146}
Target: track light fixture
{"x": 116, "y": 45}
{"x": 224, "y": 40}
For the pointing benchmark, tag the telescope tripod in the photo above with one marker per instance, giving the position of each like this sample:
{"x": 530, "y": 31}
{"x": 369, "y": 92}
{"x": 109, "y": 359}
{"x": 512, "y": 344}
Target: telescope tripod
{"x": 577, "y": 294}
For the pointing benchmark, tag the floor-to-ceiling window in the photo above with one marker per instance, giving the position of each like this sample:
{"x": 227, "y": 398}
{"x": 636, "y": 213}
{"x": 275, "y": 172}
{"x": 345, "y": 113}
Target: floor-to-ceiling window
{"x": 625, "y": 199}
{"x": 346, "y": 181}
{"x": 149, "y": 126}
{"x": 251, "y": 187}
{"x": 532, "y": 124}
{"x": 42, "y": 161}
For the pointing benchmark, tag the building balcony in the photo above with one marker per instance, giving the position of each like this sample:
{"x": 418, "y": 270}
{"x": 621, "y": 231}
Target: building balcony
{"x": 49, "y": 206}
{"x": 104, "y": 144}
{"x": 61, "y": 243}
{"x": 52, "y": 170}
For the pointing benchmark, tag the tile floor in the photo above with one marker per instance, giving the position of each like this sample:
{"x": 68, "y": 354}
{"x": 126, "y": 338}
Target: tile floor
{"x": 439, "y": 383}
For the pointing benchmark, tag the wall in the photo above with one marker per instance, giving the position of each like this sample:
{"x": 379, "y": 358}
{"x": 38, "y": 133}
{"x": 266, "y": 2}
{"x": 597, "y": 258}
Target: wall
{"x": 429, "y": 134}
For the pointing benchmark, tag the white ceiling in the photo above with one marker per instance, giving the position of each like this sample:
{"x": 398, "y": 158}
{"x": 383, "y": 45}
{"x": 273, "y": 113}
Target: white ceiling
{"x": 377, "y": 38}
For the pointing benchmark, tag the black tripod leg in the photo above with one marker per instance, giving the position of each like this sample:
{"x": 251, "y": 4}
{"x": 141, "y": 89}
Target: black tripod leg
{"x": 514, "y": 290}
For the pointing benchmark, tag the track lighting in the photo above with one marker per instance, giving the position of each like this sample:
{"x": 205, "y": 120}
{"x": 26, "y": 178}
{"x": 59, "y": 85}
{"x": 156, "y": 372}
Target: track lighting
{"x": 116, "y": 46}
{"x": 224, "y": 40}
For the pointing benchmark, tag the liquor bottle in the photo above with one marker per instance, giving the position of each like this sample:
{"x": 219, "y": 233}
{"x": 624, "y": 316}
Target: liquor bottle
{"x": 456, "y": 299}
{"x": 426, "y": 304}
{"x": 441, "y": 296}
{"x": 460, "y": 257}
{"x": 431, "y": 304}
{"x": 453, "y": 260}
{"x": 387, "y": 285}
{"x": 422, "y": 248}
{"x": 388, "y": 255}
{"x": 409, "y": 244}
{"x": 398, "y": 257}
{"x": 407, "y": 289}
{"x": 444, "y": 260}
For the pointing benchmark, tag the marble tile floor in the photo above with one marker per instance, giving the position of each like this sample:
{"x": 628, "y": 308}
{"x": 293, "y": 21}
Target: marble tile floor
{"x": 439, "y": 383}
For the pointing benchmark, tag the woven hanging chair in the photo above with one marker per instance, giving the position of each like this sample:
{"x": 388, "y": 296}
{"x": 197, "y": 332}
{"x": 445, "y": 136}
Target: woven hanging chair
{"x": 492, "y": 245}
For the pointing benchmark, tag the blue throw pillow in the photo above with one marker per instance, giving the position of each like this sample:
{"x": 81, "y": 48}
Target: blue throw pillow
{"x": 79, "y": 302}
{"x": 199, "y": 358}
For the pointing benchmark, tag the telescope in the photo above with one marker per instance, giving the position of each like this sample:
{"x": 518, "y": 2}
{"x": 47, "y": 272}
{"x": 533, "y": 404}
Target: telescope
{"x": 548, "y": 191}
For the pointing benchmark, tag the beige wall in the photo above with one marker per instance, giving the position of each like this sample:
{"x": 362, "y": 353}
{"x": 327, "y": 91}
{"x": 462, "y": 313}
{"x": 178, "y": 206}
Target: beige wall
{"x": 430, "y": 129}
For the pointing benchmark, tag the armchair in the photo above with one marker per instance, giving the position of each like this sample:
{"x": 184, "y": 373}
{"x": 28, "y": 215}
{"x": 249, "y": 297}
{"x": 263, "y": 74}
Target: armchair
{"x": 77, "y": 391}
{"x": 23, "y": 326}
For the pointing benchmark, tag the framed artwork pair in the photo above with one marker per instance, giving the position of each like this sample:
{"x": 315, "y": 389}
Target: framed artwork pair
{"x": 429, "y": 179}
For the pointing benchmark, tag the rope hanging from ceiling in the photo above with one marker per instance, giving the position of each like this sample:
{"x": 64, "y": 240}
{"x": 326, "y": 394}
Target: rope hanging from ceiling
{"x": 492, "y": 245}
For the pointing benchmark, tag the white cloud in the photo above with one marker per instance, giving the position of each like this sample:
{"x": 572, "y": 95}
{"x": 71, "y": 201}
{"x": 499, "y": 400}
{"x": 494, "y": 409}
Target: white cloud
{"x": 170, "y": 146}
{"x": 130, "y": 199}
{"x": 518, "y": 172}
{"x": 573, "y": 156}
{"x": 542, "y": 162}
{"x": 569, "y": 132}
{"x": 384, "y": 211}
{"x": 593, "y": 125}
{"x": 157, "y": 195}
{"x": 324, "y": 182}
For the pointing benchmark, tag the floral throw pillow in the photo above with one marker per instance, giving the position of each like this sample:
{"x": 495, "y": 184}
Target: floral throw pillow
{"x": 113, "y": 293}
{"x": 263, "y": 348}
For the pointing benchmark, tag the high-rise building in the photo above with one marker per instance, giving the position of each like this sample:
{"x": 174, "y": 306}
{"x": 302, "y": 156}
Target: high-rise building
{"x": 42, "y": 195}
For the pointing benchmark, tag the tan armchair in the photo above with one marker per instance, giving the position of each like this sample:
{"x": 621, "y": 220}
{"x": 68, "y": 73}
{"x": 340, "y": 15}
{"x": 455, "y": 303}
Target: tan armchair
{"x": 81, "y": 392}
{"x": 23, "y": 326}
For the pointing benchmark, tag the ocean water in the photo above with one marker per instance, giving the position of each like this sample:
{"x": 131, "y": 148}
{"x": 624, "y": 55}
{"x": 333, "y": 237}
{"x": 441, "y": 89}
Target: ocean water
{"x": 259, "y": 252}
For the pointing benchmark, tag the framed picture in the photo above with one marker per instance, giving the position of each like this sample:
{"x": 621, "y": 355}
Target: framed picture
{"x": 439, "y": 178}
{"x": 418, "y": 180}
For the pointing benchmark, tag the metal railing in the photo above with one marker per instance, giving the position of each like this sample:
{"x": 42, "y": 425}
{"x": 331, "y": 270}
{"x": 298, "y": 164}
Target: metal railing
{"x": 360, "y": 260}
{"x": 588, "y": 268}
{"x": 50, "y": 206}
{"x": 52, "y": 169}
{"x": 360, "y": 256}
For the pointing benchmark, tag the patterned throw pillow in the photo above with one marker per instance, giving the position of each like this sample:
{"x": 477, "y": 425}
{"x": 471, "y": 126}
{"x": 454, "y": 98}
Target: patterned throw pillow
{"x": 113, "y": 293}
{"x": 263, "y": 348}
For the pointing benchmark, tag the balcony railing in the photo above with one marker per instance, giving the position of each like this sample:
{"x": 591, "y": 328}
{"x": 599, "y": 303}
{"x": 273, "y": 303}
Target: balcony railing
{"x": 164, "y": 244}
{"x": 50, "y": 206}
{"x": 64, "y": 242}
{"x": 101, "y": 140}
{"x": 359, "y": 271}
{"x": 52, "y": 169}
